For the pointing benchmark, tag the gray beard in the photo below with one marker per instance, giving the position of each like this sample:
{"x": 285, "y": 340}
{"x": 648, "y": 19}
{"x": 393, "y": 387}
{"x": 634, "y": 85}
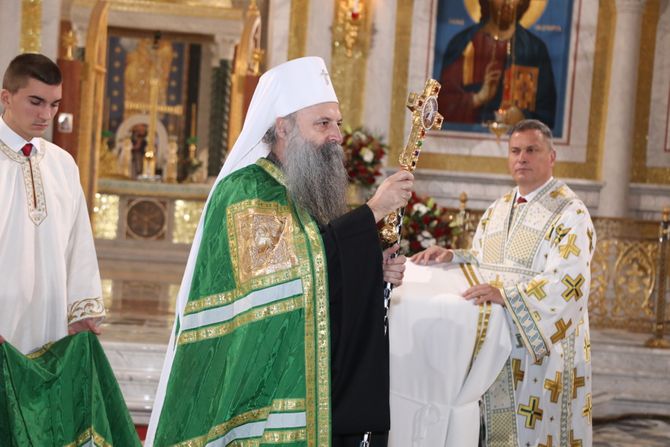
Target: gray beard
{"x": 315, "y": 177}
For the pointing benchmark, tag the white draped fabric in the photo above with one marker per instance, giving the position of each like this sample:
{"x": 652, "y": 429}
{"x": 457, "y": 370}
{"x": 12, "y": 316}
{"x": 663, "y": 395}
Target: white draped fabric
{"x": 435, "y": 383}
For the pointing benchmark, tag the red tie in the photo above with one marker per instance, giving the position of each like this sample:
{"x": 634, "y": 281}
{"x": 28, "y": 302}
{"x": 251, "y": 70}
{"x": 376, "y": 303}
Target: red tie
{"x": 27, "y": 149}
{"x": 521, "y": 200}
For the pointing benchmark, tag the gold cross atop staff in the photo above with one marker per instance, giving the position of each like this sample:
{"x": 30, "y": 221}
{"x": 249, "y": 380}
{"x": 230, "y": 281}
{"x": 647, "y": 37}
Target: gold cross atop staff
{"x": 424, "y": 117}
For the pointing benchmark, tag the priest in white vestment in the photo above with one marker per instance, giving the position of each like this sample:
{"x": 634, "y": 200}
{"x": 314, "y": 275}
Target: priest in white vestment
{"x": 50, "y": 278}
{"x": 533, "y": 247}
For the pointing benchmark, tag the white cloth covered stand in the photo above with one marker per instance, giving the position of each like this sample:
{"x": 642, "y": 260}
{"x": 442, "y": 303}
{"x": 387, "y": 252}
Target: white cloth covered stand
{"x": 435, "y": 383}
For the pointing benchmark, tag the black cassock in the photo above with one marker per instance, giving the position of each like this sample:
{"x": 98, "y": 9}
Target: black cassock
{"x": 359, "y": 347}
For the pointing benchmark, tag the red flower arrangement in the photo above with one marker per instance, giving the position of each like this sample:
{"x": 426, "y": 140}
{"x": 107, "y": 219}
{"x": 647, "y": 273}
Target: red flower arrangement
{"x": 364, "y": 153}
{"x": 425, "y": 224}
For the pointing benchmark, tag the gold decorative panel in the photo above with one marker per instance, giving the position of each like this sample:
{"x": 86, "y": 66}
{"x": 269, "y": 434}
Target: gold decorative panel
{"x": 641, "y": 172}
{"x": 107, "y": 297}
{"x": 297, "y": 40}
{"x": 352, "y": 26}
{"x": 105, "y": 216}
{"x": 624, "y": 270}
{"x": 403, "y": 35}
{"x": 31, "y": 26}
{"x": 215, "y": 9}
{"x": 186, "y": 217}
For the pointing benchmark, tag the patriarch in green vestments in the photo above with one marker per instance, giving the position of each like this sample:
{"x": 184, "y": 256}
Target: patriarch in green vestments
{"x": 279, "y": 335}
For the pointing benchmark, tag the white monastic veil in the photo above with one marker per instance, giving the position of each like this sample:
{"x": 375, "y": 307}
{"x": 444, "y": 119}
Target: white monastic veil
{"x": 284, "y": 89}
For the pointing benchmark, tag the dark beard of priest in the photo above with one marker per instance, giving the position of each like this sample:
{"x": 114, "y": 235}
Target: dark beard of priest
{"x": 316, "y": 177}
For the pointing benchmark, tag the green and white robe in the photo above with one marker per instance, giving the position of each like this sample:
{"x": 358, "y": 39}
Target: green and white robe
{"x": 248, "y": 362}
{"x": 539, "y": 255}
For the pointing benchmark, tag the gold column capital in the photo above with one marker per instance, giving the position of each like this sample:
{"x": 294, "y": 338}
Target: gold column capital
{"x": 31, "y": 26}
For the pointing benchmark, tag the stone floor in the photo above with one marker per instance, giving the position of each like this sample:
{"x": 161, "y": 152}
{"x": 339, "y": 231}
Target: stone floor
{"x": 632, "y": 431}
{"x": 631, "y": 383}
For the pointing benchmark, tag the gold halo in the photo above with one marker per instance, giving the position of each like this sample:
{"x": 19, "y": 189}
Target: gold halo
{"x": 535, "y": 11}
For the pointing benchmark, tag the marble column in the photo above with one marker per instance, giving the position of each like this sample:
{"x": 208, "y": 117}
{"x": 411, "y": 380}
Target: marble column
{"x": 379, "y": 71}
{"x": 617, "y": 156}
{"x": 10, "y": 32}
{"x": 319, "y": 34}
{"x": 51, "y": 28}
{"x": 277, "y": 28}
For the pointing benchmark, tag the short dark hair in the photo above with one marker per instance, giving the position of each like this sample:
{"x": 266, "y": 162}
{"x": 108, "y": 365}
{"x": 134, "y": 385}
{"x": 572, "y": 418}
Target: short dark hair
{"x": 30, "y": 65}
{"x": 486, "y": 12}
{"x": 531, "y": 124}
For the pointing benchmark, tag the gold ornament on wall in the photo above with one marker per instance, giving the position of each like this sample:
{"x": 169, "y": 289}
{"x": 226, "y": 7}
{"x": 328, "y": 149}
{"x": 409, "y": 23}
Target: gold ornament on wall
{"x": 31, "y": 26}
{"x": 352, "y": 28}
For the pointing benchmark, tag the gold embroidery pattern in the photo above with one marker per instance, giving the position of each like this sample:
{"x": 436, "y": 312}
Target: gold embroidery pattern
{"x": 561, "y": 328}
{"x": 570, "y": 247}
{"x": 317, "y": 345}
{"x": 518, "y": 373}
{"x": 86, "y": 308}
{"x": 561, "y": 191}
{"x": 88, "y": 435}
{"x": 554, "y": 386}
{"x": 494, "y": 248}
{"x": 573, "y": 287}
{"x": 40, "y": 352}
{"x": 588, "y": 406}
{"x": 272, "y": 437}
{"x": 283, "y": 436}
{"x": 560, "y": 232}
{"x": 548, "y": 443}
{"x": 252, "y": 316}
{"x": 316, "y": 319}
{"x": 484, "y": 313}
{"x": 537, "y": 217}
{"x": 500, "y": 409}
{"x": 257, "y": 414}
{"x": 574, "y": 442}
{"x": 497, "y": 283}
{"x": 589, "y": 233}
{"x": 221, "y": 299}
{"x": 532, "y": 412}
{"x": 577, "y": 382}
{"x": 522, "y": 245}
{"x": 536, "y": 288}
{"x": 264, "y": 238}
{"x": 587, "y": 347}
{"x": 32, "y": 180}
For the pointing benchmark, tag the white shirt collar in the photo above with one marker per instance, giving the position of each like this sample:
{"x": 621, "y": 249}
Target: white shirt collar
{"x": 531, "y": 195}
{"x": 14, "y": 140}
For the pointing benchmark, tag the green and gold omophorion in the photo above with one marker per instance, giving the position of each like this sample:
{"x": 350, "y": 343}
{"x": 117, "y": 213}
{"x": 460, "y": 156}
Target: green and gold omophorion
{"x": 251, "y": 360}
